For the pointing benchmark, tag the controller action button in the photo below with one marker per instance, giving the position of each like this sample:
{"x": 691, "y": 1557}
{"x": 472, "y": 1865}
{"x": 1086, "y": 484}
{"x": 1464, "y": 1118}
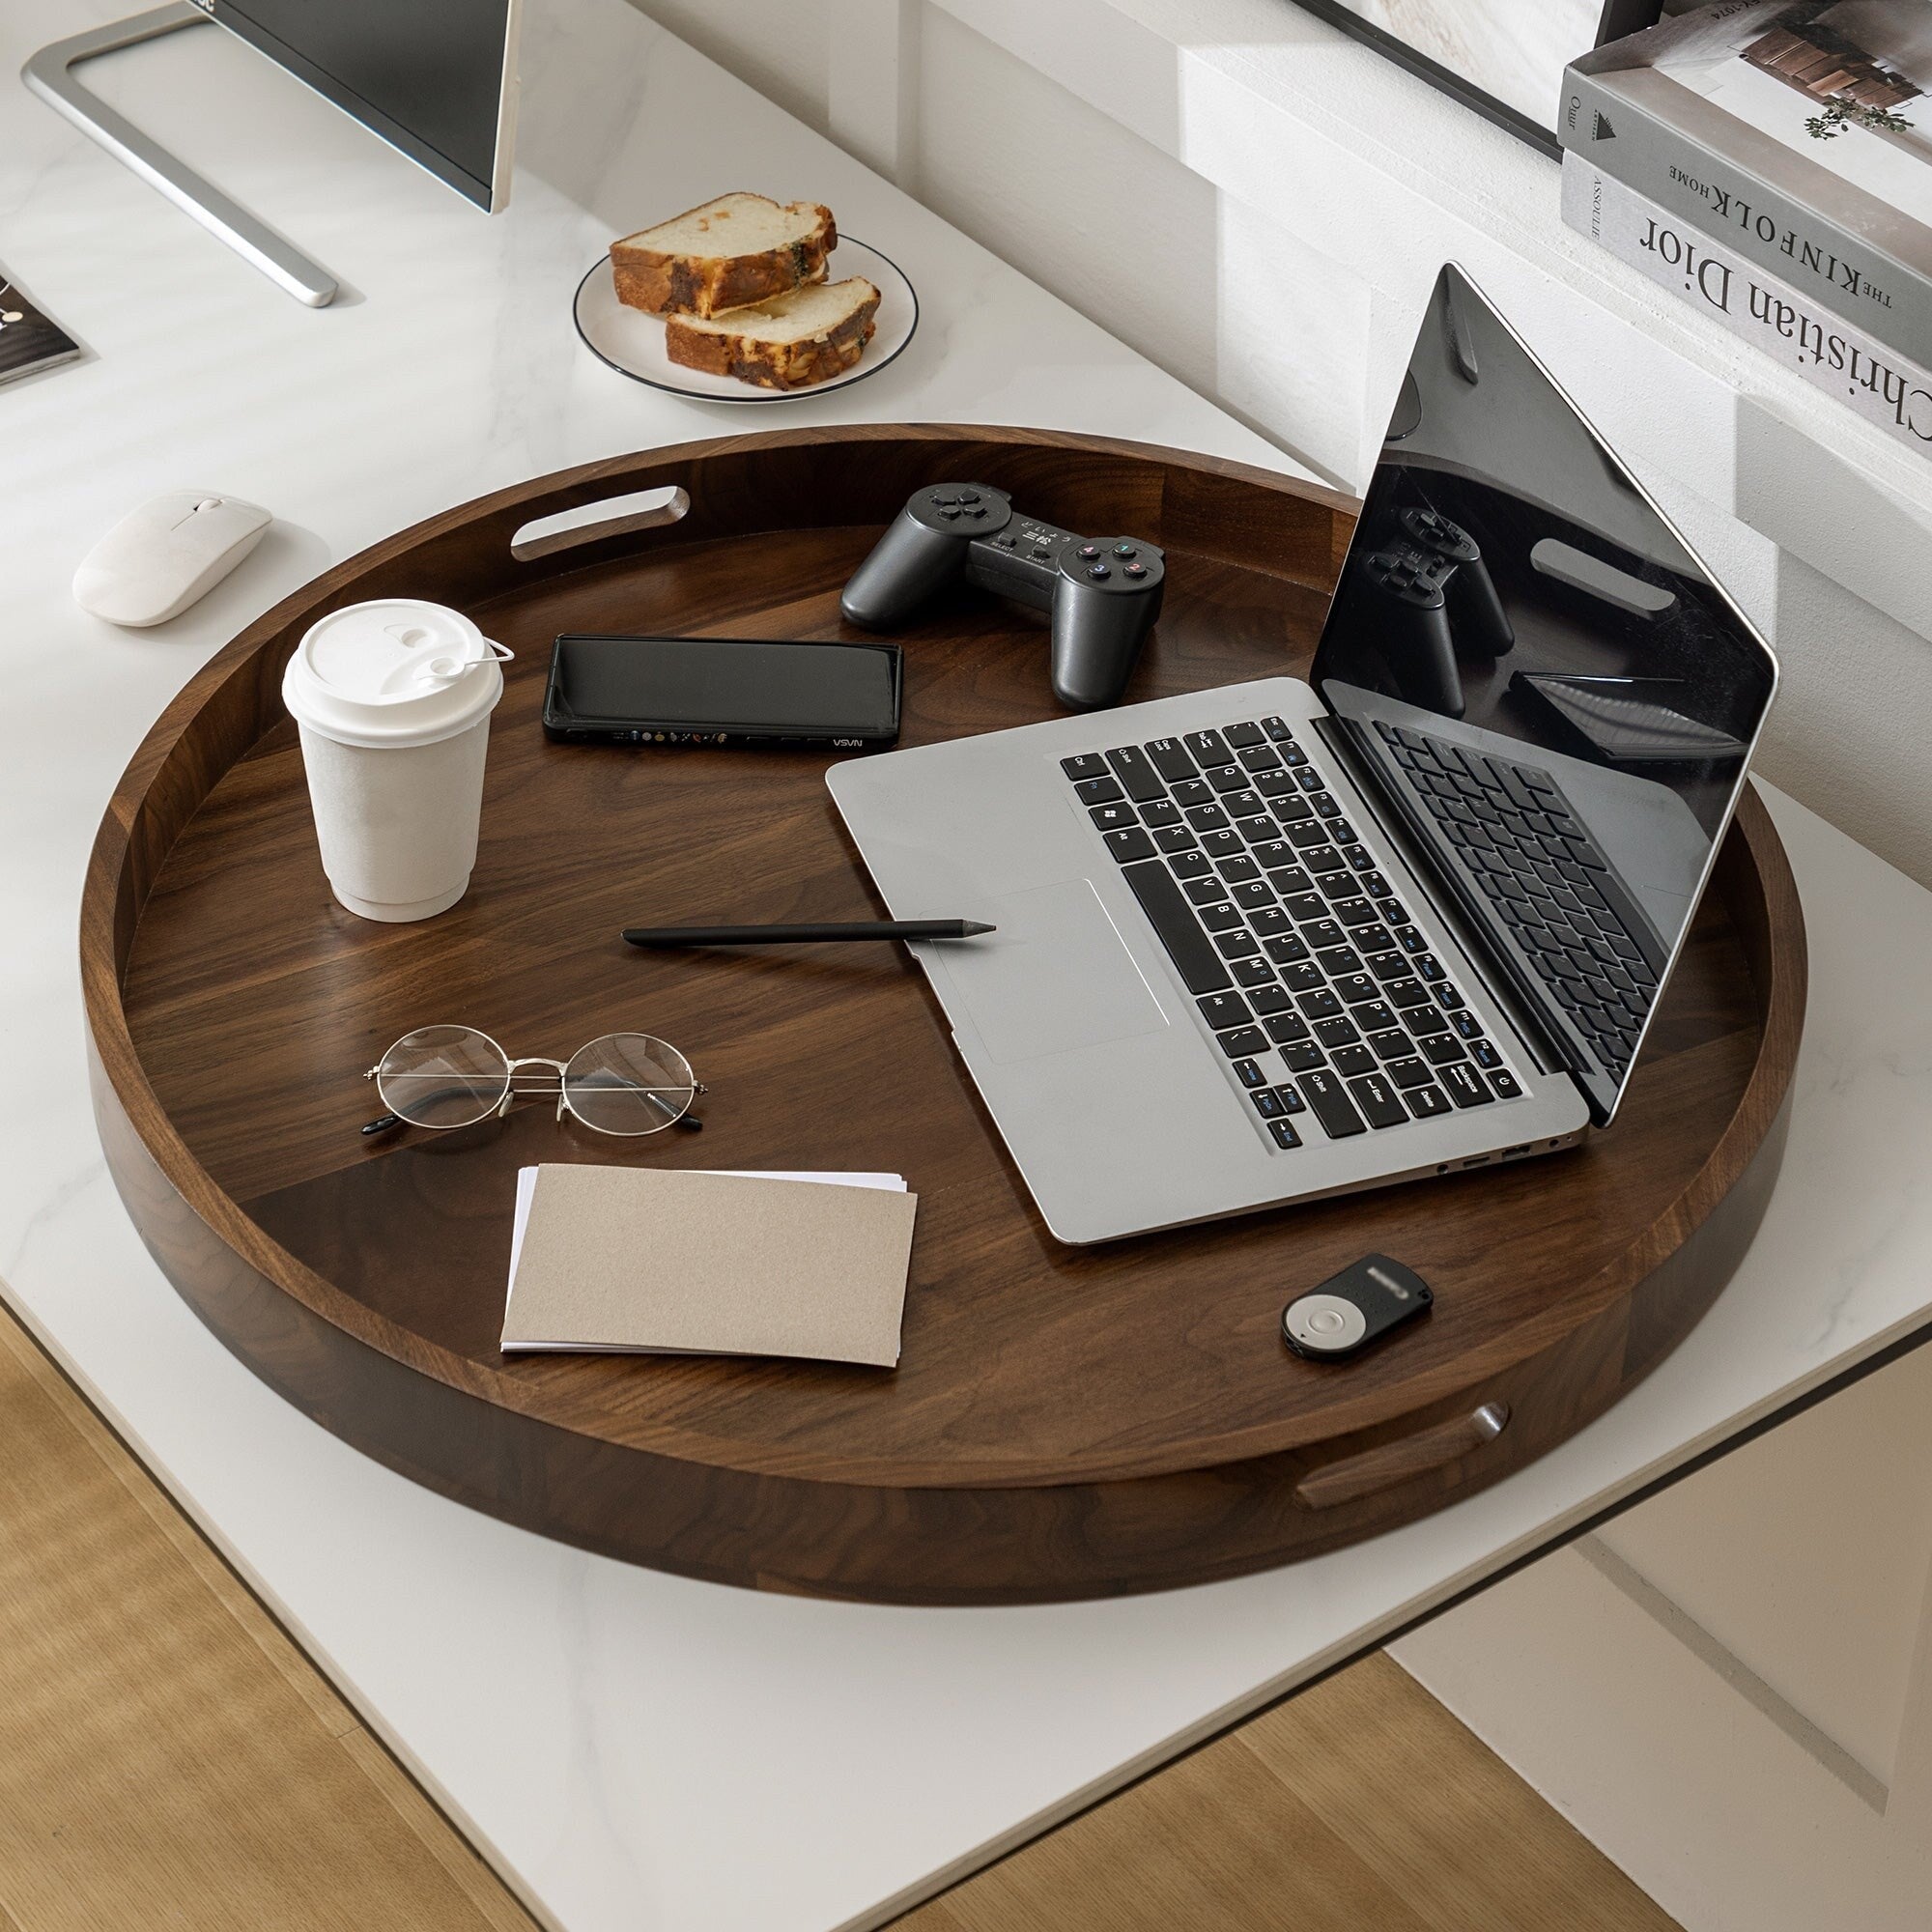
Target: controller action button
{"x": 1099, "y": 572}
{"x": 1090, "y": 550}
{"x": 1126, "y": 549}
{"x": 1136, "y": 570}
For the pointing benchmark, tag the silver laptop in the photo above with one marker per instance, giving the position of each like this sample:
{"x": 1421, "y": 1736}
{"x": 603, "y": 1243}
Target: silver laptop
{"x": 1287, "y": 939}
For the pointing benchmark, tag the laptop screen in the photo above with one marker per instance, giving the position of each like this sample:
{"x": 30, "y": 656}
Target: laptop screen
{"x": 1552, "y": 692}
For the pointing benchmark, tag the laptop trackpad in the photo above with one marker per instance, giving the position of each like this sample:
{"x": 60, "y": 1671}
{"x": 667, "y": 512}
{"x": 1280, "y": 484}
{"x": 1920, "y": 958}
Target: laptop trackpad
{"x": 1056, "y": 977}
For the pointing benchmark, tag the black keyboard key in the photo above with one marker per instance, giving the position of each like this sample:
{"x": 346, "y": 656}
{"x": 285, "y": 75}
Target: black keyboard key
{"x": 1408, "y": 1072}
{"x": 1221, "y": 844}
{"x": 1221, "y": 917}
{"x": 1440, "y": 1048}
{"x": 1330, "y": 1099}
{"x": 1258, "y": 831}
{"x": 1323, "y": 858}
{"x": 1468, "y": 1025}
{"x": 1134, "y": 771}
{"x": 1174, "y": 838}
{"x": 1268, "y": 1104}
{"x": 1304, "y": 1058}
{"x": 1337, "y": 961}
{"x": 1506, "y": 1084}
{"x": 1354, "y": 913}
{"x": 1280, "y": 857}
{"x": 1294, "y": 811}
{"x": 1360, "y": 859}
{"x": 1160, "y": 812}
{"x": 1326, "y": 806}
{"x": 1270, "y": 919}
{"x": 1169, "y": 757}
{"x": 1088, "y": 765}
{"x": 1293, "y": 755}
{"x": 1133, "y": 843}
{"x": 1226, "y": 778}
{"x": 1484, "y": 1053}
{"x": 1277, "y": 729}
{"x": 1237, "y": 945}
{"x": 1099, "y": 791}
{"x": 1269, "y": 999}
{"x": 1112, "y": 818}
{"x": 1276, "y": 785}
{"x": 1323, "y": 933}
{"x": 1336, "y": 1031}
{"x": 1206, "y": 817}
{"x": 1254, "y": 893}
{"x": 1405, "y": 993}
{"x": 1249, "y": 1074}
{"x": 1447, "y": 997}
{"x": 1393, "y": 912}
{"x": 1393, "y": 1044}
{"x": 1375, "y": 885}
{"x": 1224, "y": 1010}
{"x": 1387, "y": 966}
{"x": 1406, "y": 936}
{"x": 1238, "y": 872}
{"x": 1322, "y": 1004}
{"x": 1285, "y": 948}
{"x": 1238, "y": 735}
{"x": 1466, "y": 1085}
{"x": 1425, "y": 1019}
{"x": 1429, "y": 967}
{"x": 1307, "y": 978}
{"x": 1244, "y": 1043}
{"x": 1253, "y": 972}
{"x": 1200, "y": 966}
{"x": 1194, "y": 791}
{"x": 1305, "y": 906}
{"x": 1262, "y": 758}
{"x": 1427, "y": 1103}
{"x": 1356, "y": 988}
{"x": 1208, "y": 748}
{"x": 1309, "y": 779}
{"x": 1284, "y": 1134}
{"x": 1352, "y": 1059}
{"x": 1342, "y": 833}
{"x": 1206, "y": 891}
{"x": 1288, "y": 1029}
{"x": 1189, "y": 866}
{"x": 1241, "y": 803}
{"x": 1290, "y": 1099}
{"x": 1379, "y": 1101}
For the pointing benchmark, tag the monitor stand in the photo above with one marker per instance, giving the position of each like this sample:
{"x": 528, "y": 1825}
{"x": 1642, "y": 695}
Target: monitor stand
{"x": 50, "y": 76}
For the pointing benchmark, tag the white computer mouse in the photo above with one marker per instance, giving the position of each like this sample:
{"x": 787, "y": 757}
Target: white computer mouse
{"x": 156, "y": 561}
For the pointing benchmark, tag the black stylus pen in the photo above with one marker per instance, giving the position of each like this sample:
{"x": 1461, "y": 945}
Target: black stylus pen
{"x": 803, "y": 935}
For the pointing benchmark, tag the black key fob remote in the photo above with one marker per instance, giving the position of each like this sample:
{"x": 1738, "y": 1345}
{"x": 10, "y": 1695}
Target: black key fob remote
{"x": 1350, "y": 1310}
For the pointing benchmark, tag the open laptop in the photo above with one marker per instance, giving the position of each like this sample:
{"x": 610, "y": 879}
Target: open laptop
{"x": 1287, "y": 939}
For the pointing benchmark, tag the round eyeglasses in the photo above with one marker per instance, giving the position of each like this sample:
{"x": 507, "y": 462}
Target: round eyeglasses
{"x": 453, "y": 1076}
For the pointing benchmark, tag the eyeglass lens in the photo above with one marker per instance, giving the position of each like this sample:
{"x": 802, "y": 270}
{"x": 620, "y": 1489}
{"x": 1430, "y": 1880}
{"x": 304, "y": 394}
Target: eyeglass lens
{"x": 443, "y": 1076}
{"x": 628, "y": 1082}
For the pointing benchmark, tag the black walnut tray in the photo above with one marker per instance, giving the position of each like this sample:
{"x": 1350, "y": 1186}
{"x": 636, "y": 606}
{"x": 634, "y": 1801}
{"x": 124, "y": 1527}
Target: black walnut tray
{"x": 1063, "y": 1422}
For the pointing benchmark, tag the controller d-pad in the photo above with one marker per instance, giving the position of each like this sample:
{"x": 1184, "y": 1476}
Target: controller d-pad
{"x": 968, "y": 497}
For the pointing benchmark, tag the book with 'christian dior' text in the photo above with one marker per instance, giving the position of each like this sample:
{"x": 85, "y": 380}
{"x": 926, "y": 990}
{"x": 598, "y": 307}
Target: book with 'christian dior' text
{"x": 30, "y": 339}
{"x": 1835, "y": 356}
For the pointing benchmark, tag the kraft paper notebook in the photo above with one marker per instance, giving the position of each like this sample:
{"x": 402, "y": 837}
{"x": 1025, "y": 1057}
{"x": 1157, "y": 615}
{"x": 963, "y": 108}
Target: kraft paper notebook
{"x": 651, "y": 1261}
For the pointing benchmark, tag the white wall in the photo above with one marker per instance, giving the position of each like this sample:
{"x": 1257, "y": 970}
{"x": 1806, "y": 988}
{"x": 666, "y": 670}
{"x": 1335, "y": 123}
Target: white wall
{"x": 1258, "y": 205}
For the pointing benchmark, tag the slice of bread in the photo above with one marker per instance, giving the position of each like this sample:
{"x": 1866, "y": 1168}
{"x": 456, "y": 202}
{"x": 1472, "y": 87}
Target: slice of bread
{"x": 737, "y": 249}
{"x": 787, "y": 343}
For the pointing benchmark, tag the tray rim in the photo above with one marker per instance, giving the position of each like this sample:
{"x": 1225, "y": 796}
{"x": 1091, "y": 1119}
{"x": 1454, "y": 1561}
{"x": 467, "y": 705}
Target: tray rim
{"x": 110, "y": 915}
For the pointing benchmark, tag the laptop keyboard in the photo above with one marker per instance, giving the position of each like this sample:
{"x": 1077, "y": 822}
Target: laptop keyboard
{"x": 1524, "y": 844}
{"x": 1330, "y": 1010}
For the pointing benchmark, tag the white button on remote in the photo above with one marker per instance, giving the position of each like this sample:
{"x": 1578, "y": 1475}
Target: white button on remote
{"x": 1325, "y": 1324}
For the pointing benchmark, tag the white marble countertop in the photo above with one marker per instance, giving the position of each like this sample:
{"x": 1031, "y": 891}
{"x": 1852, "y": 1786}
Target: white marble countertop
{"x": 632, "y": 1749}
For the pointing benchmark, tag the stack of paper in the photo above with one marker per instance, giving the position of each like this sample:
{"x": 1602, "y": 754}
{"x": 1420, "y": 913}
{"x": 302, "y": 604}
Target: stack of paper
{"x": 646, "y": 1260}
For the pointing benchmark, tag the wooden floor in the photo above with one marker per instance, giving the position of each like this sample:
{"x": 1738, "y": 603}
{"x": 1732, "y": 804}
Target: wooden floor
{"x": 169, "y": 1759}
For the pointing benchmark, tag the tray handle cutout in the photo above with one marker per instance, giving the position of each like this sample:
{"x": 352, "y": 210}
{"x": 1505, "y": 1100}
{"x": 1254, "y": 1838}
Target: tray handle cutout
{"x": 609, "y": 517}
{"x": 1349, "y": 1478}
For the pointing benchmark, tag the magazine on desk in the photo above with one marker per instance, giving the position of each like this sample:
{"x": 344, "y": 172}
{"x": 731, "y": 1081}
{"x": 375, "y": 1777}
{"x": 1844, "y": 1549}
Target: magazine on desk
{"x": 30, "y": 339}
{"x": 1797, "y": 132}
{"x": 1871, "y": 379}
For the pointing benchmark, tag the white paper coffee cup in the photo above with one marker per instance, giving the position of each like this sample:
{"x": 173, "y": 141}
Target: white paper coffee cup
{"x": 393, "y": 700}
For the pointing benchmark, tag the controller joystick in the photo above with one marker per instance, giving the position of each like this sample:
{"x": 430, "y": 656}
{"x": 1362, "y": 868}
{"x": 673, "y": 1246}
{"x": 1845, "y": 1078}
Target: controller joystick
{"x": 1483, "y": 627}
{"x": 1103, "y": 592}
{"x": 1422, "y": 649}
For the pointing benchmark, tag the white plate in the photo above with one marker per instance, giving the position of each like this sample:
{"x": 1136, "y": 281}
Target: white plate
{"x": 633, "y": 342}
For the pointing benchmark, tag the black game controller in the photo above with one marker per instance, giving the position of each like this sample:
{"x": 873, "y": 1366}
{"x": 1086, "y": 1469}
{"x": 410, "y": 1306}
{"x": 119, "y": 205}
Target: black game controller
{"x": 1104, "y": 592}
{"x": 1430, "y": 576}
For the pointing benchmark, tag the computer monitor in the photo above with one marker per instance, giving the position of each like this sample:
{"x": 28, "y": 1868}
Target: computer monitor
{"x": 435, "y": 78}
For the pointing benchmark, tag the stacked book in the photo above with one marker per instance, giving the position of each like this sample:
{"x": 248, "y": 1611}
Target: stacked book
{"x": 1767, "y": 163}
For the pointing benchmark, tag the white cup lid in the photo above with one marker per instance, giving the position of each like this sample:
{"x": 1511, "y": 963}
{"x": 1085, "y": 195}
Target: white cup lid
{"x": 396, "y": 672}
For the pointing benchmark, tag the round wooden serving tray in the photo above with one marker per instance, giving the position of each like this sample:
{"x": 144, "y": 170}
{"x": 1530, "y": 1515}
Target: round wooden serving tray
{"x": 1063, "y": 1422}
